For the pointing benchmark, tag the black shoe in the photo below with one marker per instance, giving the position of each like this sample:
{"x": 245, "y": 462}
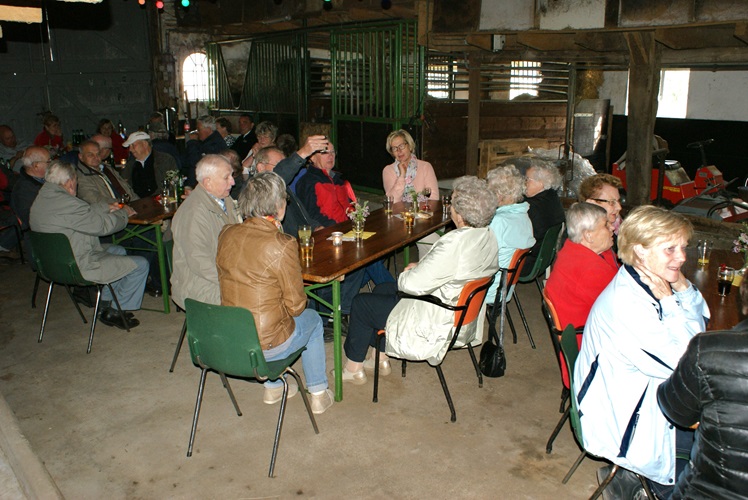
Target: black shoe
{"x": 153, "y": 290}
{"x": 624, "y": 486}
{"x": 111, "y": 317}
{"x": 85, "y": 295}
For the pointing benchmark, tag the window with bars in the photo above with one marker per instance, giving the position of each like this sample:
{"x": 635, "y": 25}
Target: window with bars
{"x": 195, "y": 77}
{"x": 438, "y": 78}
{"x": 525, "y": 78}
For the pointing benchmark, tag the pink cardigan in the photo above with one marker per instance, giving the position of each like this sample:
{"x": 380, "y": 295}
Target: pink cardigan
{"x": 394, "y": 185}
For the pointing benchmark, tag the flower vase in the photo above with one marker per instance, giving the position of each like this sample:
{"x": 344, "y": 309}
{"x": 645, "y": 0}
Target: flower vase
{"x": 358, "y": 229}
{"x": 414, "y": 207}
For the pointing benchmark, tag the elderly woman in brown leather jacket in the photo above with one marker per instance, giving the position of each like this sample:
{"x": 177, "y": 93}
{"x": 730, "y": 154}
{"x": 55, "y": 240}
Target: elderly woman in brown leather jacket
{"x": 259, "y": 269}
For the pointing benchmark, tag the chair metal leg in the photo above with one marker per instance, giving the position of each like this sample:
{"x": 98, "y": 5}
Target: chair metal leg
{"x": 36, "y": 289}
{"x": 75, "y": 303}
{"x": 574, "y": 467}
{"x": 225, "y": 382}
{"x": 281, "y": 414}
{"x": 511, "y": 326}
{"x": 564, "y": 399}
{"x": 647, "y": 489}
{"x": 179, "y": 345}
{"x": 446, "y": 392}
{"x": 200, "y": 389}
{"x": 95, "y": 317}
{"x": 19, "y": 239}
{"x": 404, "y": 365}
{"x": 46, "y": 310}
{"x": 556, "y": 430}
{"x": 375, "y": 396}
{"x": 303, "y": 391}
{"x": 475, "y": 365}
{"x": 605, "y": 483}
{"x": 524, "y": 320}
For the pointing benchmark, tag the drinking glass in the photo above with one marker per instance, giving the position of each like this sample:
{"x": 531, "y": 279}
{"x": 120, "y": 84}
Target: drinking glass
{"x": 446, "y": 204}
{"x": 427, "y": 191}
{"x": 305, "y": 232}
{"x": 703, "y": 251}
{"x": 337, "y": 239}
{"x": 387, "y": 201}
{"x": 408, "y": 217}
{"x": 307, "y": 250}
{"x": 724, "y": 280}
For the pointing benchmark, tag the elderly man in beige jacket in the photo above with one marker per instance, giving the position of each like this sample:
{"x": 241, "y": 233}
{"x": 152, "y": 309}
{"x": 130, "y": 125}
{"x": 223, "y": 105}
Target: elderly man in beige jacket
{"x": 196, "y": 226}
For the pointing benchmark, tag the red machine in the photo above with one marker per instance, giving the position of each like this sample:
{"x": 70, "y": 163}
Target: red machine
{"x": 676, "y": 185}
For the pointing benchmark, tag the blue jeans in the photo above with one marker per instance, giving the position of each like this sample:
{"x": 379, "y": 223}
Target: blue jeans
{"x": 308, "y": 332}
{"x": 129, "y": 289}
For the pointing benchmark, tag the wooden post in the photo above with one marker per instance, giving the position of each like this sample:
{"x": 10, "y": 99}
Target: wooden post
{"x": 473, "y": 121}
{"x": 644, "y": 84}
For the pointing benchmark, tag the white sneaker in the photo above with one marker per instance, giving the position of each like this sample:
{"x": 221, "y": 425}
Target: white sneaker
{"x": 322, "y": 401}
{"x": 385, "y": 367}
{"x": 275, "y": 394}
{"x": 356, "y": 378}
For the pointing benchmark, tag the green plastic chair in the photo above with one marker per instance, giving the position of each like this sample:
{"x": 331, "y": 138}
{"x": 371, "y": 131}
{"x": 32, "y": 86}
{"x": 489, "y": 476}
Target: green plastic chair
{"x": 224, "y": 339}
{"x": 546, "y": 255}
{"x": 570, "y": 352}
{"x": 169, "y": 249}
{"x": 55, "y": 263}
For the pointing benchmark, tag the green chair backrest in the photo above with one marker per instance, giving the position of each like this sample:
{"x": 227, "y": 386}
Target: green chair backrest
{"x": 54, "y": 259}
{"x": 570, "y": 351}
{"x": 224, "y": 339}
{"x": 546, "y": 253}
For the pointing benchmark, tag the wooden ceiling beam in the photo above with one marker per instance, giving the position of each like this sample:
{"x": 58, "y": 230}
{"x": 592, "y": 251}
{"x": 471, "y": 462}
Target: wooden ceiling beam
{"x": 546, "y": 41}
{"x": 601, "y": 41}
{"x": 698, "y": 37}
{"x": 20, "y": 14}
{"x": 481, "y": 41}
{"x": 741, "y": 32}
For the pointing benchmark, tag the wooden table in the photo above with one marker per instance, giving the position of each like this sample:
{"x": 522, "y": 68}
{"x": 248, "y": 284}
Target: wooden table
{"x": 331, "y": 263}
{"x": 149, "y": 214}
{"x": 726, "y": 312}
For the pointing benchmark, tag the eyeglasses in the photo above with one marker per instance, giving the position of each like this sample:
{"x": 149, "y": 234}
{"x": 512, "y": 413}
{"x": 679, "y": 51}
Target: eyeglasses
{"x": 399, "y": 148}
{"x": 612, "y": 203}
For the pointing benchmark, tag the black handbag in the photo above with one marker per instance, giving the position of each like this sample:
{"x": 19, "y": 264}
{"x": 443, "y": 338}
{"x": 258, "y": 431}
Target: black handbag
{"x": 492, "y": 360}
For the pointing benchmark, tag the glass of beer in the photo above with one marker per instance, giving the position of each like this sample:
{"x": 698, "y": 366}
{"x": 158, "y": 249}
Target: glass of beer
{"x": 305, "y": 232}
{"x": 388, "y": 201}
{"x": 703, "y": 251}
{"x": 307, "y": 250}
{"x": 724, "y": 280}
{"x": 408, "y": 217}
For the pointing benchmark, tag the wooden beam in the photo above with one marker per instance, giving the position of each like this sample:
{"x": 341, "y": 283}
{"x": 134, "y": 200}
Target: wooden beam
{"x": 473, "y": 121}
{"x": 20, "y": 14}
{"x": 644, "y": 82}
{"x": 697, "y": 37}
{"x": 425, "y": 13}
{"x": 601, "y": 42}
{"x": 741, "y": 32}
{"x": 547, "y": 41}
{"x": 481, "y": 41}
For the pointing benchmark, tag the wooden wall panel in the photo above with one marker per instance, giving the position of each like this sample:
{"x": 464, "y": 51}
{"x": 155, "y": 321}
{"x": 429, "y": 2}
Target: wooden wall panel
{"x": 445, "y": 132}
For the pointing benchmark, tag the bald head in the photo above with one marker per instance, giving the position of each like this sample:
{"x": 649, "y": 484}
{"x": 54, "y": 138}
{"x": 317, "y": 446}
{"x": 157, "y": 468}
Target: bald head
{"x": 35, "y": 161}
{"x": 7, "y": 137}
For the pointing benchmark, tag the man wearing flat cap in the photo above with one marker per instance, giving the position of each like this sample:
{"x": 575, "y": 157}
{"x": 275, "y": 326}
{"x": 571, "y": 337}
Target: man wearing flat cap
{"x": 146, "y": 168}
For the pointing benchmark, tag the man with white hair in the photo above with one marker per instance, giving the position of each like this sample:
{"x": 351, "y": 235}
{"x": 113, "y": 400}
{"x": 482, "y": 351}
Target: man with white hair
{"x": 58, "y": 210}
{"x": 196, "y": 226}
{"x": 146, "y": 169}
{"x": 205, "y": 141}
{"x": 35, "y": 161}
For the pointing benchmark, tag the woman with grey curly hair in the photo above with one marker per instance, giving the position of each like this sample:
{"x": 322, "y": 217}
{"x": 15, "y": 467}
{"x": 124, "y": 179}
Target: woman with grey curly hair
{"x": 510, "y": 223}
{"x": 542, "y": 179}
{"x": 418, "y": 330}
{"x": 259, "y": 270}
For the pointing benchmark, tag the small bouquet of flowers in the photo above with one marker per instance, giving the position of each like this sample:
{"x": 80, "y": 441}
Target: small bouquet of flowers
{"x": 358, "y": 212}
{"x": 741, "y": 244}
{"x": 418, "y": 198}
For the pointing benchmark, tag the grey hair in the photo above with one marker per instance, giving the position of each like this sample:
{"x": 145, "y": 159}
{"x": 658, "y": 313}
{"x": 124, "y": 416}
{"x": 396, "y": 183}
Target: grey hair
{"x": 208, "y": 121}
{"x": 60, "y": 172}
{"x": 472, "y": 199}
{"x": 34, "y": 154}
{"x": 546, "y": 173}
{"x": 209, "y": 165}
{"x": 263, "y": 154}
{"x": 506, "y": 183}
{"x": 267, "y": 128}
{"x": 581, "y": 217}
{"x": 264, "y": 194}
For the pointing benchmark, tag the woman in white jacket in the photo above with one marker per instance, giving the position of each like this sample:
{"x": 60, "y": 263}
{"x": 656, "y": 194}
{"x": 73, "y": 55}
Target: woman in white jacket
{"x": 418, "y": 330}
{"x": 635, "y": 334}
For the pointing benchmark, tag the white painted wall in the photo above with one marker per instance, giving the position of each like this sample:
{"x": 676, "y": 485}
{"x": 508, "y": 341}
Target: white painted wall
{"x": 718, "y": 95}
{"x": 575, "y": 14}
{"x": 502, "y": 15}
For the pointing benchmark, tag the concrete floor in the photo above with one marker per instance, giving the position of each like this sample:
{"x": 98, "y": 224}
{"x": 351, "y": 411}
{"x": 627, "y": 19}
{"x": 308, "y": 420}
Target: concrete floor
{"x": 115, "y": 423}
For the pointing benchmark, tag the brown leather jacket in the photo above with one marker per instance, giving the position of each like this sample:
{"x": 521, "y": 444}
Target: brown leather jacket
{"x": 259, "y": 269}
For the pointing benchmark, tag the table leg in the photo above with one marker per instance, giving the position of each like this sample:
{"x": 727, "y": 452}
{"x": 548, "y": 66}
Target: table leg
{"x": 162, "y": 267}
{"x": 337, "y": 334}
